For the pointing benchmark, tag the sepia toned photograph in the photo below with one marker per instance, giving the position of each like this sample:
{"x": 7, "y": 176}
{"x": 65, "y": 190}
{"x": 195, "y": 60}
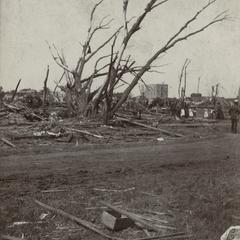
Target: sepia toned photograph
{"x": 119, "y": 119}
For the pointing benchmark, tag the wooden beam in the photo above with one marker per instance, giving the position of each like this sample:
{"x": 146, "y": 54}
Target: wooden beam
{"x": 149, "y": 127}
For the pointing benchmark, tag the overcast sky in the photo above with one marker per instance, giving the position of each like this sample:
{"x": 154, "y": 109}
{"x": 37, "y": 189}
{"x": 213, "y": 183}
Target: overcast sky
{"x": 26, "y": 25}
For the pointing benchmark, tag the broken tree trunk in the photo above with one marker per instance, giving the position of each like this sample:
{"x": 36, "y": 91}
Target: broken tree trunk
{"x": 132, "y": 217}
{"x": 45, "y": 88}
{"x": 149, "y": 127}
{"x": 15, "y": 91}
{"x": 80, "y": 221}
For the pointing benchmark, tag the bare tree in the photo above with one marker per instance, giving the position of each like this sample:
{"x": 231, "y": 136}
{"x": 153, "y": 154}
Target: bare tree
{"x": 119, "y": 64}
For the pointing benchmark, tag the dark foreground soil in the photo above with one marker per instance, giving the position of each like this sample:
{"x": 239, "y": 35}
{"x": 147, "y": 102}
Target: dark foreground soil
{"x": 193, "y": 183}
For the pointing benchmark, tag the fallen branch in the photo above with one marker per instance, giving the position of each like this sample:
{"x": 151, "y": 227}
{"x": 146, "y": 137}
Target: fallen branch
{"x": 149, "y": 127}
{"x": 8, "y": 142}
{"x": 133, "y": 217}
{"x": 80, "y": 221}
{"x": 85, "y": 132}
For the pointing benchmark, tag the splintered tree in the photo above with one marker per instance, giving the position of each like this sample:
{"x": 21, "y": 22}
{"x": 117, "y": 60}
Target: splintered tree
{"x": 182, "y": 90}
{"x": 117, "y": 64}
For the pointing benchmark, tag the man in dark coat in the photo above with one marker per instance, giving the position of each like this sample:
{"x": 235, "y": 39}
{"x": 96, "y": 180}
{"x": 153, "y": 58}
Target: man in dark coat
{"x": 234, "y": 114}
{"x": 1, "y": 96}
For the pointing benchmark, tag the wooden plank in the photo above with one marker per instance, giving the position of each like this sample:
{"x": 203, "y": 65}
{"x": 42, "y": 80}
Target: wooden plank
{"x": 80, "y": 221}
{"x": 149, "y": 127}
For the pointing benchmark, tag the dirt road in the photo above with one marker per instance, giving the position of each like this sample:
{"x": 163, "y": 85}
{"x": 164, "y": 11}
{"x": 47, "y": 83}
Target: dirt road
{"x": 199, "y": 181}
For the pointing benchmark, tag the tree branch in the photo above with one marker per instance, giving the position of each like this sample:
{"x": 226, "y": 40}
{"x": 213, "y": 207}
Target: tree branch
{"x": 163, "y": 50}
{"x": 190, "y": 21}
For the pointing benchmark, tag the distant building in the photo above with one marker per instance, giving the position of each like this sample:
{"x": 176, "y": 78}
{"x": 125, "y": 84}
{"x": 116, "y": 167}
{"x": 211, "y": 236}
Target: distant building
{"x": 196, "y": 97}
{"x": 153, "y": 91}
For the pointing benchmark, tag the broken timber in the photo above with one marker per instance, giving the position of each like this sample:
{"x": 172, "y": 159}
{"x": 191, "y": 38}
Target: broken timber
{"x": 84, "y": 132}
{"x": 80, "y": 221}
{"x": 132, "y": 217}
{"x": 149, "y": 127}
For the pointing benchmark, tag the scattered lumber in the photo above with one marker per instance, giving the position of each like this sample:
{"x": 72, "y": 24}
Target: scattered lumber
{"x": 133, "y": 217}
{"x": 149, "y": 127}
{"x": 8, "y": 237}
{"x": 8, "y": 142}
{"x": 79, "y": 221}
{"x": 84, "y": 132}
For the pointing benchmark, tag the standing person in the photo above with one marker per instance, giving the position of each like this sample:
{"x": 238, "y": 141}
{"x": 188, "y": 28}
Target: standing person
{"x": 1, "y": 96}
{"x": 234, "y": 114}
